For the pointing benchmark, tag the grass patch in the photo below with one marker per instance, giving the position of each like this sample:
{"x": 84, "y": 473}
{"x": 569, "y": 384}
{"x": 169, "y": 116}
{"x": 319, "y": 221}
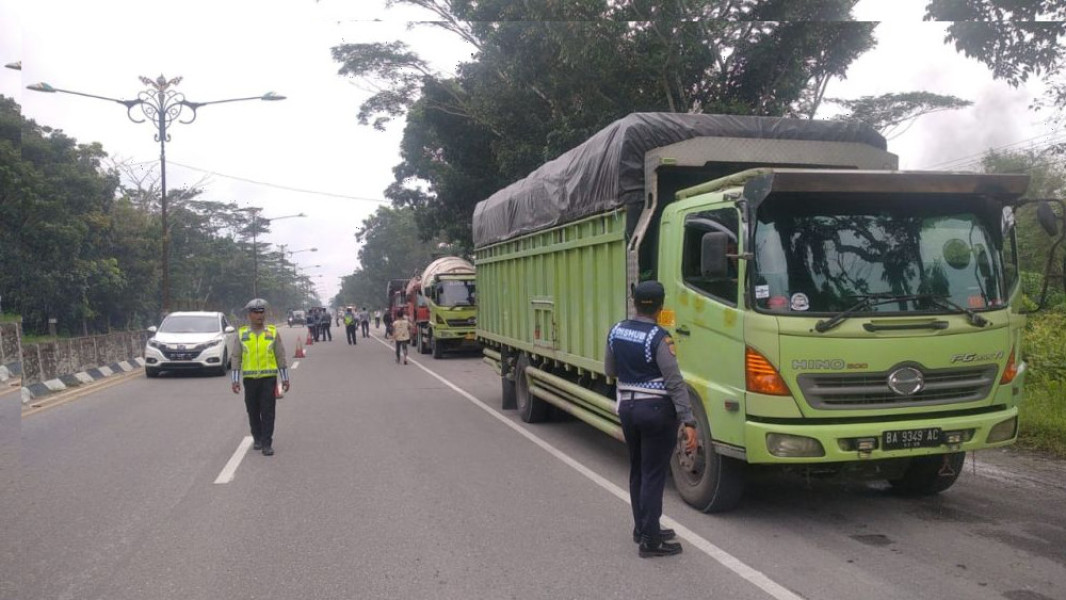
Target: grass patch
{"x": 39, "y": 339}
{"x": 1043, "y": 413}
{"x": 1043, "y": 419}
{"x": 10, "y": 318}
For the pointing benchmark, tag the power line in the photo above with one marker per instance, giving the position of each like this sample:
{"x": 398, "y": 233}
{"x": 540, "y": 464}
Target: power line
{"x": 274, "y": 185}
{"x": 974, "y": 159}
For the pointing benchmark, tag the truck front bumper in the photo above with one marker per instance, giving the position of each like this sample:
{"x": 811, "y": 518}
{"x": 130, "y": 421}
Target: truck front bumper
{"x": 786, "y": 443}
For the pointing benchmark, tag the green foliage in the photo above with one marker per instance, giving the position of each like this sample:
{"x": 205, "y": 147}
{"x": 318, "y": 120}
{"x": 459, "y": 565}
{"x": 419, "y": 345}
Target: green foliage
{"x": 1043, "y": 414}
{"x": 78, "y": 247}
{"x": 545, "y": 76}
{"x": 1016, "y": 39}
{"x": 391, "y": 250}
{"x": 887, "y": 112}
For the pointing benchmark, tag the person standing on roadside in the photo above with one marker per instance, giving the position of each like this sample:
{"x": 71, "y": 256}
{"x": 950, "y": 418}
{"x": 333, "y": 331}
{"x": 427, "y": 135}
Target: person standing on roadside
{"x": 327, "y": 325}
{"x": 349, "y": 326}
{"x": 401, "y": 334}
{"x": 377, "y": 319}
{"x": 388, "y": 323}
{"x": 651, "y": 399}
{"x": 364, "y": 321}
{"x": 257, "y": 357}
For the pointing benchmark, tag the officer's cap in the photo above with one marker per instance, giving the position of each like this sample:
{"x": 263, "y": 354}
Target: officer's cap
{"x": 649, "y": 293}
{"x": 256, "y": 305}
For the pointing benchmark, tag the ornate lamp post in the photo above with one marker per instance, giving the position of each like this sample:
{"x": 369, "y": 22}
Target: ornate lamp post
{"x": 161, "y": 105}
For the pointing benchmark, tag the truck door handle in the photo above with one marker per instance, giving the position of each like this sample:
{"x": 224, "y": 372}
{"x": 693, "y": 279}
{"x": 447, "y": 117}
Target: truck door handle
{"x": 682, "y": 330}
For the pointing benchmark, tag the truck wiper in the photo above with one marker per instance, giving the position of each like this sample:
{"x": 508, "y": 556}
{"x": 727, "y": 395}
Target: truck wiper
{"x": 942, "y": 301}
{"x": 870, "y": 300}
{"x": 865, "y": 303}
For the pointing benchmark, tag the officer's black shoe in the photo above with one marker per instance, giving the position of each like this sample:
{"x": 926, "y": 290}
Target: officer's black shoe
{"x": 268, "y": 451}
{"x": 666, "y": 534}
{"x": 257, "y": 445}
{"x": 650, "y": 548}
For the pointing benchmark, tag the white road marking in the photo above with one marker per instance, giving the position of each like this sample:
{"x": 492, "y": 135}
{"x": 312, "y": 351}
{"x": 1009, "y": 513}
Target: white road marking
{"x": 727, "y": 560}
{"x": 295, "y": 365}
{"x": 230, "y": 469}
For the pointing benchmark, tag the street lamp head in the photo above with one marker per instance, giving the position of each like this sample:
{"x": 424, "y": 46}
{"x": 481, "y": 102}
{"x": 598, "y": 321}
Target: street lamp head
{"x": 41, "y": 87}
{"x": 271, "y": 97}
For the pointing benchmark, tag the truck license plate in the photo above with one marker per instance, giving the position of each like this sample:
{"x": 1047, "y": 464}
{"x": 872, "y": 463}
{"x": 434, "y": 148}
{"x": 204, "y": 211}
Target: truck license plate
{"x": 929, "y": 437}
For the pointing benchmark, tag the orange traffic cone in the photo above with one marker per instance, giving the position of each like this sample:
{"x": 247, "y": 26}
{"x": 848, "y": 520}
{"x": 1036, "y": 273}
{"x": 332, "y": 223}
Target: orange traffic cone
{"x": 299, "y": 349}
{"x": 310, "y": 341}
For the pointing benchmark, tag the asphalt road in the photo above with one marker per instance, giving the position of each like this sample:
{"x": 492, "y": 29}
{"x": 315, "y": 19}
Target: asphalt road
{"x": 395, "y": 481}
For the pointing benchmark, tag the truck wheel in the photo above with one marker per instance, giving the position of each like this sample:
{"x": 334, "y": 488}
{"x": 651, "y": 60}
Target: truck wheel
{"x": 928, "y": 475}
{"x": 437, "y": 346}
{"x": 705, "y": 479}
{"x": 530, "y": 408}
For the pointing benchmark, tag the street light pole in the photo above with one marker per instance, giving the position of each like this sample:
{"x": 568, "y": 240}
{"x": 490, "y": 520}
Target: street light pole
{"x": 161, "y": 104}
{"x": 255, "y": 244}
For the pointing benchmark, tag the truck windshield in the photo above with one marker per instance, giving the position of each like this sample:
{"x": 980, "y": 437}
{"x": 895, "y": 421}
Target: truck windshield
{"x": 811, "y": 256}
{"x": 455, "y": 293}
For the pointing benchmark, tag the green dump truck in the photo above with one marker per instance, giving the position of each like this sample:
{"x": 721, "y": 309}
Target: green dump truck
{"x": 830, "y": 314}
{"x": 443, "y": 302}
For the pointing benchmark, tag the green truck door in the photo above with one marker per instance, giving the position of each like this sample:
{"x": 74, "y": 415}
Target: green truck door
{"x": 709, "y": 325}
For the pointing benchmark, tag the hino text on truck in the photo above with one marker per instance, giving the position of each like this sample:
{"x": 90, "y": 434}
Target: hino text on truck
{"x": 830, "y": 313}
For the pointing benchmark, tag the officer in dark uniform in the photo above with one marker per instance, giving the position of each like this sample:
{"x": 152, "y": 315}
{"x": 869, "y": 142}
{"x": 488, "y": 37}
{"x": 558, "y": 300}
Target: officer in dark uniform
{"x": 652, "y": 399}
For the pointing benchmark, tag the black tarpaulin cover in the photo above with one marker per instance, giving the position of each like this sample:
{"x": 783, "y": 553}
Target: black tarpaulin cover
{"x": 607, "y": 170}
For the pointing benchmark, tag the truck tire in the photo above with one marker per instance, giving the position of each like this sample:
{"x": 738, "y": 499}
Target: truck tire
{"x": 706, "y": 480}
{"x": 530, "y": 408}
{"x": 423, "y": 344}
{"x": 508, "y": 394}
{"x": 928, "y": 475}
{"x": 437, "y": 347}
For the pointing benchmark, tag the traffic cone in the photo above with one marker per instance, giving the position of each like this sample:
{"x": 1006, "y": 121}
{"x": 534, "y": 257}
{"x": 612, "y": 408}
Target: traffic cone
{"x": 310, "y": 341}
{"x": 299, "y": 349}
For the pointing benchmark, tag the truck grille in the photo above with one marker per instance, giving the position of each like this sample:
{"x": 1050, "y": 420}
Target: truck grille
{"x": 471, "y": 322}
{"x": 870, "y": 390}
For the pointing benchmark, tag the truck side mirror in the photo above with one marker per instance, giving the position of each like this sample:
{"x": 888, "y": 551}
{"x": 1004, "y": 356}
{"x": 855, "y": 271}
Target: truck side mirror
{"x": 713, "y": 264}
{"x": 1045, "y": 215}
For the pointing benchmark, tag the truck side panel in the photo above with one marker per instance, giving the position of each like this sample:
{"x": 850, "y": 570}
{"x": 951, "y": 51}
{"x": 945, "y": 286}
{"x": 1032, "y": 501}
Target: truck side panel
{"x": 555, "y": 293}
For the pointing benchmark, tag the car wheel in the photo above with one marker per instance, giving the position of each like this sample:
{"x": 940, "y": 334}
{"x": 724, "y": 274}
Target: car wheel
{"x": 151, "y": 372}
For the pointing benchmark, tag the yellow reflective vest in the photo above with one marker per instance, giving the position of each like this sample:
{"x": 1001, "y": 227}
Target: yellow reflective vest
{"x": 257, "y": 354}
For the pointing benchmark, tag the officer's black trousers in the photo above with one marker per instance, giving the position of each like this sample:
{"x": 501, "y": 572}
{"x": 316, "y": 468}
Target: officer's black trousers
{"x": 350, "y": 330}
{"x": 327, "y": 333}
{"x": 260, "y": 401}
{"x": 366, "y": 328}
{"x": 650, "y": 430}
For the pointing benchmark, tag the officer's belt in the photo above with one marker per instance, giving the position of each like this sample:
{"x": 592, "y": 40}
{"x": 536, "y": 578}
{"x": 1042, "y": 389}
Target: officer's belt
{"x": 626, "y": 395}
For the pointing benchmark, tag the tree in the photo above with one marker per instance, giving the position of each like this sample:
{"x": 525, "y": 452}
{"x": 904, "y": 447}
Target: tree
{"x": 546, "y": 76}
{"x": 1016, "y": 39}
{"x": 391, "y": 250}
{"x": 888, "y": 113}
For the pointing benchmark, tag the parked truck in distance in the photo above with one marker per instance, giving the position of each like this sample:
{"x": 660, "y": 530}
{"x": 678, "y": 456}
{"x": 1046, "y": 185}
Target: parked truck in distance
{"x": 830, "y": 313}
{"x": 443, "y": 302}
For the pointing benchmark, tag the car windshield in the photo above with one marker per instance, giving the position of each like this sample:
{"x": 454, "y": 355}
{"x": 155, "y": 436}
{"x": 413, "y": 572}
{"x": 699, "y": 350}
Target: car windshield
{"x": 190, "y": 324}
{"x": 455, "y": 293}
{"x": 824, "y": 256}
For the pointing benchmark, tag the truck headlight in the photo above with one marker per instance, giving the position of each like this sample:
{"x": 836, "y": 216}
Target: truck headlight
{"x": 793, "y": 446}
{"x": 1003, "y": 431}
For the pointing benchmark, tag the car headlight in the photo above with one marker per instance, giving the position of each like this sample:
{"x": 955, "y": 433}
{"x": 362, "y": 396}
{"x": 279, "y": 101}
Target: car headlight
{"x": 155, "y": 344}
{"x": 211, "y": 344}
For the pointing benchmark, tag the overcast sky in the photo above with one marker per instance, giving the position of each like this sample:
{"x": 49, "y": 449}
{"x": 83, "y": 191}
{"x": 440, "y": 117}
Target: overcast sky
{"x": 311, "y": 141}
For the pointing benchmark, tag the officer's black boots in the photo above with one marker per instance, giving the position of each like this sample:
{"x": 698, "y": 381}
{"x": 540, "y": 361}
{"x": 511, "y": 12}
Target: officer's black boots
{"x": 257, "y": 445}
{"x": 651, "y": 547}
{"x": 268, "y": 451}
{"x": 666, "y": 534}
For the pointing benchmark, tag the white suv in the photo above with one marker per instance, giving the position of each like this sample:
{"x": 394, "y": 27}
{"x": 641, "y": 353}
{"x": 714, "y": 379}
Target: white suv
{"x": 189, "y": 340}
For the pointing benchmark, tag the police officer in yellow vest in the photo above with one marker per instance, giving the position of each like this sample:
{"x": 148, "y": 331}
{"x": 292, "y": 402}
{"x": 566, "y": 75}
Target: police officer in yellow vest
{"x": 258, "y": 357}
